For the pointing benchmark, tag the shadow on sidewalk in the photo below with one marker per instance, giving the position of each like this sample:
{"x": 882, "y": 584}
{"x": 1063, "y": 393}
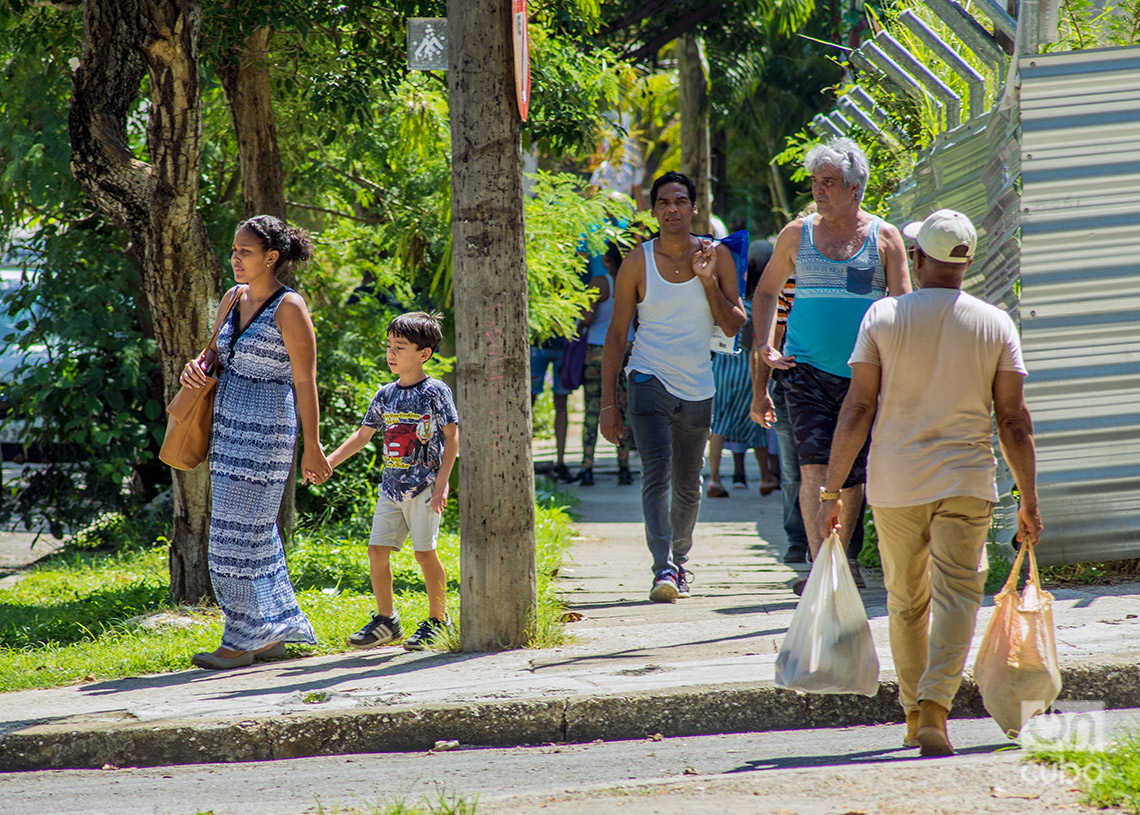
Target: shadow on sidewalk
{"x": 538, "y": 664}
{"x": 889, "y": 754}
{"x": 365, "y": 666}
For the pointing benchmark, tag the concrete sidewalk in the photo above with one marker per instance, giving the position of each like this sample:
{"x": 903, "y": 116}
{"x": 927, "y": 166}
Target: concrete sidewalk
{"x": 634, "y": 668}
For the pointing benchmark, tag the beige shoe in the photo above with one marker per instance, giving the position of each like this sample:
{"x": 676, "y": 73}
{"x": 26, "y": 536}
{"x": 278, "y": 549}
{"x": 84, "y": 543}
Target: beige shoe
{"x": 274, "y": 651}
{"x": 932, "y": 738}
{"x": 911, "y": 737}
{"x": 211, "y": 661}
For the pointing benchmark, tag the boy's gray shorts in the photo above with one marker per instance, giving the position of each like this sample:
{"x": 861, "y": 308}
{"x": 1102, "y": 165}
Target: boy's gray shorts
{"x": 394, "y": 521}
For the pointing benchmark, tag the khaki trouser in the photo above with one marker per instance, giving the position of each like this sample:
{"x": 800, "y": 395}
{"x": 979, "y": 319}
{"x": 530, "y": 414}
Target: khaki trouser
{"x": 934, "y": 566}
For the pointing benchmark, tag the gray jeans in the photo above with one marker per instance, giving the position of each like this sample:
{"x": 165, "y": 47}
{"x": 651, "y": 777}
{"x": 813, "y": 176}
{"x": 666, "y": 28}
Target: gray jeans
{"x": 670, "y": 435}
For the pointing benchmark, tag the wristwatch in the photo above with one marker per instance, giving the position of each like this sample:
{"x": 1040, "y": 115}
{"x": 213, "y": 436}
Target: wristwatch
{"x": 824, "y": 495}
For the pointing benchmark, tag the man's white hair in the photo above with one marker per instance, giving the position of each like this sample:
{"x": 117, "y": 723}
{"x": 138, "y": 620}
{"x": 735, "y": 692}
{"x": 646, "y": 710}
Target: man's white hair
{"x": 847, "y": 157}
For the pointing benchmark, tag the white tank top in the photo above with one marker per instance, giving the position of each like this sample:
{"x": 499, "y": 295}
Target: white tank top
{"x": 674, "y": 327}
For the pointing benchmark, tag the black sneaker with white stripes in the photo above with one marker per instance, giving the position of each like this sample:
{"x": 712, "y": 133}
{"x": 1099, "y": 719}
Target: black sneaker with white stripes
{"x": 426, "y": 634}
{"x": 380, "y": 629}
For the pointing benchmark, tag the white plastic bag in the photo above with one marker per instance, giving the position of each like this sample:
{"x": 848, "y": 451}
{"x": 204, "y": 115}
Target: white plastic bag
{"x": 1016, "y": 670}
{"x": 828, "y": 647}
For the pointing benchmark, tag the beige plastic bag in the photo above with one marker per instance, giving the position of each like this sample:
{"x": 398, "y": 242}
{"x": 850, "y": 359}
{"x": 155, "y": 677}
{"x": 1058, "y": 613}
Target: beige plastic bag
{"x": 1016, "y": 669}
{"x": 828, "y": 647}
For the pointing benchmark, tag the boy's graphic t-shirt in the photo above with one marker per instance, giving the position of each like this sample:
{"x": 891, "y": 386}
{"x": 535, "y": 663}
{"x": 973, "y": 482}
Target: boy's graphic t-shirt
{"x": 411, "y": 420}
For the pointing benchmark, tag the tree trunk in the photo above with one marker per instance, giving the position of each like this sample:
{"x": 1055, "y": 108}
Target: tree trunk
{"x": 496, "y": 474}
{"x": 245, "y": 80}
{"x": 692, "y": 69}
{"x": 155, "y": 204}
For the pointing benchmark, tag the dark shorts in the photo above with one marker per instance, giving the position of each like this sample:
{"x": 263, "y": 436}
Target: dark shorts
{"x": 814, "y": 398}
{"x": 547, "y": 355}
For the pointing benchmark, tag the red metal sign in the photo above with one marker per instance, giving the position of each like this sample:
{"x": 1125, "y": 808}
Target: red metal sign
{"x": 521, "y": 38}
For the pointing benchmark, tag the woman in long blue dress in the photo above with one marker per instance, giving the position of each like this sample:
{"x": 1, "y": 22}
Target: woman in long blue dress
{"x": 267, "y": 351}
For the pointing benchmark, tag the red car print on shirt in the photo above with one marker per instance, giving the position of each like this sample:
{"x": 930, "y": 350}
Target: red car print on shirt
{"x": 400, "y": 441}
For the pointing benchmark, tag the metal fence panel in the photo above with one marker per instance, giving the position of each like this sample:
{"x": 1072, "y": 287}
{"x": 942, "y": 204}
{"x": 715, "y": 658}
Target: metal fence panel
{"x": 1080, "y": 296}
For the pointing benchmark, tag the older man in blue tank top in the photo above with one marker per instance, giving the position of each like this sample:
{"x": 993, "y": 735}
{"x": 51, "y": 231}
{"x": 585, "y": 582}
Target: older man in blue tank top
{"x": 844, "y": 259}
{"x": 679, "y": 286}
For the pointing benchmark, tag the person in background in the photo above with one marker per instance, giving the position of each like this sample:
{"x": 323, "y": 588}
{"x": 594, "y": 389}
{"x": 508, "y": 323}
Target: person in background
{"x": 732, "y": 426}
{"x": 597, "y": 323}
{"x": 548, "y": 355}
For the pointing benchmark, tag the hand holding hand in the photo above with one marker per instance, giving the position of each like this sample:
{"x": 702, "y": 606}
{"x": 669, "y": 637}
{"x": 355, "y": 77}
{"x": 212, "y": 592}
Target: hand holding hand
{"x": 315, "y": 467}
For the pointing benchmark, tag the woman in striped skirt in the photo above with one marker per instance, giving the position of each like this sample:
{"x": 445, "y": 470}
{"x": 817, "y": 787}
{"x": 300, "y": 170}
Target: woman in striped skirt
{"x": 732, "y": 427}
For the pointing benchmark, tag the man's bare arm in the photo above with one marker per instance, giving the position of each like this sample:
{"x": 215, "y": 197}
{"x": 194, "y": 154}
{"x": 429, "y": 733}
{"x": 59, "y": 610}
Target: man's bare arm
{"x": 1015, "y": 435}
{"x": 855, "y": 419}
{"x": 626, "y": 286}
{"x": 893, "y": 252}
{"x": 764, "y": 300}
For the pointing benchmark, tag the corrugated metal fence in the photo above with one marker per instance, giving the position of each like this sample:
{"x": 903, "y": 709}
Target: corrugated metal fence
{"x": 1071, "y": 137}
{"x": 1080, "y": 296}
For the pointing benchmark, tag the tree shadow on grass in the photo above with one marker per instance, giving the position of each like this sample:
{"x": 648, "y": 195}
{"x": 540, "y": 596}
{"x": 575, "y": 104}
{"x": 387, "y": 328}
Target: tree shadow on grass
{"x": 80, "y": 619}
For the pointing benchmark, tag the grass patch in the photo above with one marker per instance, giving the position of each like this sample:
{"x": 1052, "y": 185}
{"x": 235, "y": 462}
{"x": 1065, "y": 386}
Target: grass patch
{"x": 94, "y": 613}
{"x": 1109, "y": 778}
{"x": 440, "y": 804}
{"x": 1091, "y": 574}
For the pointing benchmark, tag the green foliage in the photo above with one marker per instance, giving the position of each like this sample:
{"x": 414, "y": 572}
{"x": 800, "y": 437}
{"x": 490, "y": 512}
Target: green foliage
{"x": 81, "y": 597}
{"x": 1108, "y": 778}
{"x": 93, "y": 406}
{"x": 1084, "y": 24}
{"x": 1086, "y": 574}
{"x": 366, "y": 148}
{"x": 79, "y": 616}
{"x": 999, "y": 566}
{"x": 558, "y": 215}
{"x": 439, "y": 804}
{"x": 570, "y": 77}
{"x": 869, "y": 554}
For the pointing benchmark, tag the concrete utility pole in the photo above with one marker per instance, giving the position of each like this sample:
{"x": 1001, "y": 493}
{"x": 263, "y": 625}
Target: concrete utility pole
{"x": 496, "y": 474}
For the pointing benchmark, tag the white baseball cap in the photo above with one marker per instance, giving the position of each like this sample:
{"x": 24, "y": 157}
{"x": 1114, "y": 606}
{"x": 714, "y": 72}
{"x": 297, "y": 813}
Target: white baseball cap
{"x": 945, "y": 235}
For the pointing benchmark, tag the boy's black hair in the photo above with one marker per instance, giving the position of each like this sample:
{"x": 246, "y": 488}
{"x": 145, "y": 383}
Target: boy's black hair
{"x": 673, "y": 177}
{"x": 418, "y": 327}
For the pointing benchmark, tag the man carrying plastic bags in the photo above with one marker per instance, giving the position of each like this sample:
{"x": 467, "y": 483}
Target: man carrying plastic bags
{"x": 928, "y": 370}
{"x": 828, "y": 647}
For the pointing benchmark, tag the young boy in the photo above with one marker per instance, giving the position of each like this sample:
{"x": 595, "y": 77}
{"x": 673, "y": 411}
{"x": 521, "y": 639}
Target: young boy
{"x": 420, "y": 440}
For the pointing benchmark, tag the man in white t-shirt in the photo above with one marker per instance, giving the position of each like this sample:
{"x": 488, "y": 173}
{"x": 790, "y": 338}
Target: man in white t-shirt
{"x": 929, "y": 370}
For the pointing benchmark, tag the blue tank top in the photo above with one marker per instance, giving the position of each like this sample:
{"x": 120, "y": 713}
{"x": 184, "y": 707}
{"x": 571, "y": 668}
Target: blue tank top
{"x": 831, "y": 298}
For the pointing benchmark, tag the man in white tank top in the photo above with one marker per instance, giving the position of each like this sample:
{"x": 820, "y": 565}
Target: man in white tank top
{"x": 929, "y": 369}
{"x": 679, "y": 286}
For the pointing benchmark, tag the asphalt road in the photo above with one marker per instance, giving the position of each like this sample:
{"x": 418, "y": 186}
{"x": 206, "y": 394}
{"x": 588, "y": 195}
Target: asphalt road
{"x": 845, "y": 770}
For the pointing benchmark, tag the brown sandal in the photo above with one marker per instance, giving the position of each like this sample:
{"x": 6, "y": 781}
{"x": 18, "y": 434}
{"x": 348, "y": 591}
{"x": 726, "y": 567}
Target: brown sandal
{"x": 717, "y": 491}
